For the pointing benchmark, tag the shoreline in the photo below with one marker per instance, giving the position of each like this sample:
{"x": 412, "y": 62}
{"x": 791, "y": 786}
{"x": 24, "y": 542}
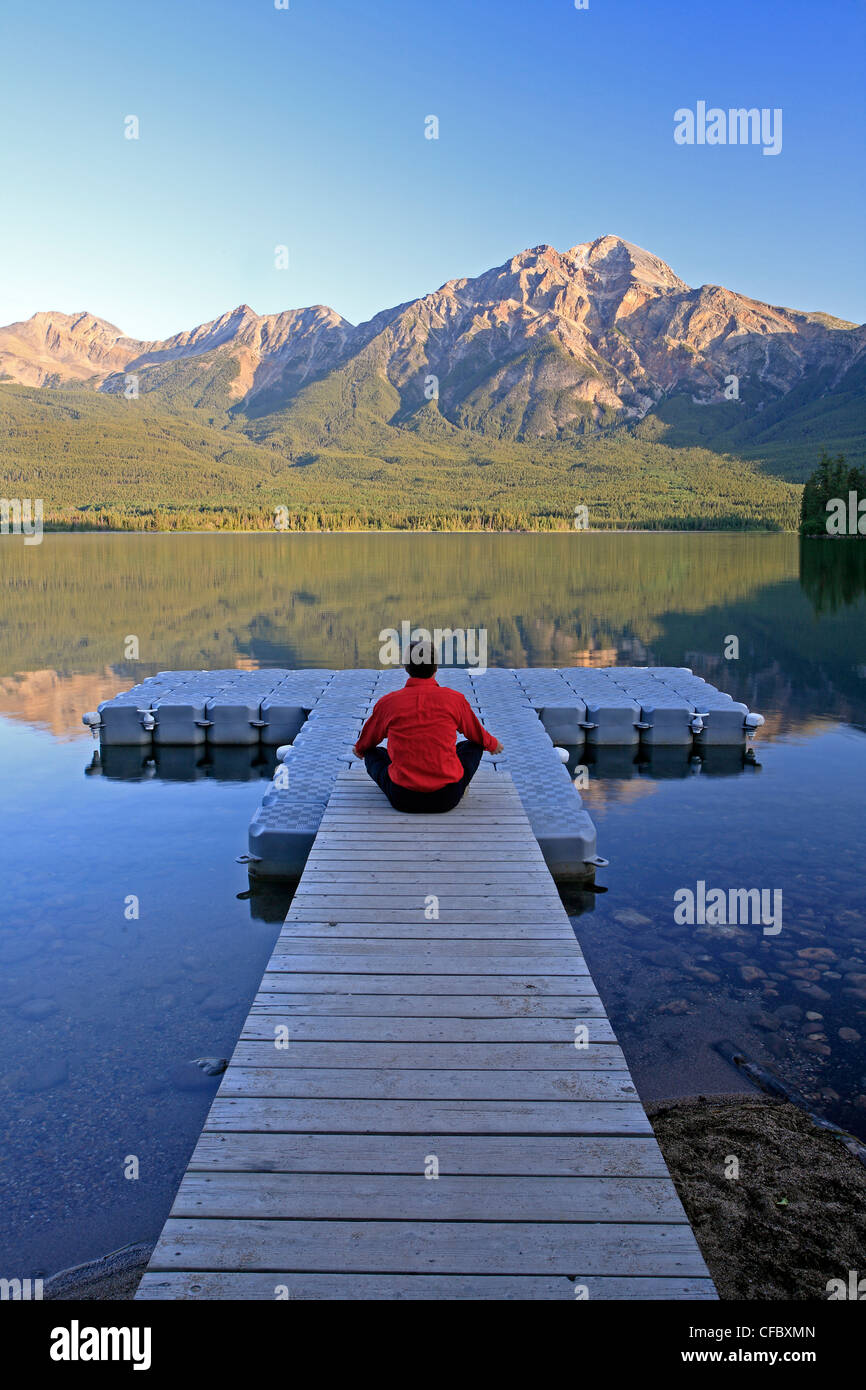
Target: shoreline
{"x": 423, "y": 531}
{"x": 777, "y": 1204}
{"x": 791, "y": 1221}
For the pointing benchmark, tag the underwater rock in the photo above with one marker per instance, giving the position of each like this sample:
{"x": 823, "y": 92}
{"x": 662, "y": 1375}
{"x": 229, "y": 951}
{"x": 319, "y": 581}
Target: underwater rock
{"x": 768, "y": 1022}
{"x": 813, "y": 991}
{"x": 751, "y": 973}
{"x": 849, "y": 920}
{"x": 629, "y": 918}
{"x": 664, "y": 955}
{"x": 708, "y": 977}
{"x": 719, "y": 932}
{"x": 37, "y": 1009}
{"x": 802, "y": 972}
{"x": 211, "y": 1066}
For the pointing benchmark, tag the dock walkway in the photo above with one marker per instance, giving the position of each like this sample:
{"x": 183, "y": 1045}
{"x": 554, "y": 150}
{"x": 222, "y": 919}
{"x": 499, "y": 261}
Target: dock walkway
{"x": 420, "y": 1016}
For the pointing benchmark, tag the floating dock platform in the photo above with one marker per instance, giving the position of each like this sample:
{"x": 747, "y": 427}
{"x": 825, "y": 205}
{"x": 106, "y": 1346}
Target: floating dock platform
{"x": 427, "y": 1100}
{"x": 315, "y": 716}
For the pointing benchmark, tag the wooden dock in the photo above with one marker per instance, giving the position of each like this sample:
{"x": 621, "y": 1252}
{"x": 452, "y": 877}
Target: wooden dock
{"x": 420, "y": 1015}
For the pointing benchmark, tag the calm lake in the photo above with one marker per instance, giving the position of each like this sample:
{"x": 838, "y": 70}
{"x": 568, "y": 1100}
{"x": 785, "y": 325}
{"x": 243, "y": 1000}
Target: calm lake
{"x": 103, "y": 1016}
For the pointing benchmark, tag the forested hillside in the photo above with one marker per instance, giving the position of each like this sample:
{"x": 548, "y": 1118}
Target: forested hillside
{"x": 101, "y": 461}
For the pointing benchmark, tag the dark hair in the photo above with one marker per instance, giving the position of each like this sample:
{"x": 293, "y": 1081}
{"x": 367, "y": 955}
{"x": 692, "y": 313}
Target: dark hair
{"x": 421, "y": 663}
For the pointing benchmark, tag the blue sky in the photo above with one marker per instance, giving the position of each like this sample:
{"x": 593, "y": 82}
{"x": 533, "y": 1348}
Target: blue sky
{"x": 305, "y": 128}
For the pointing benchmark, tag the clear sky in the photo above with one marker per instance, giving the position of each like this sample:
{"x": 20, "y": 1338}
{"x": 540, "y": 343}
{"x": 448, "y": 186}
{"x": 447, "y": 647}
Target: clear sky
{"x": 304, "y": 127}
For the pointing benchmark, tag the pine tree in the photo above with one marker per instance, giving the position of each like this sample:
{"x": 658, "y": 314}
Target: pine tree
{"x": 831, "y": 479}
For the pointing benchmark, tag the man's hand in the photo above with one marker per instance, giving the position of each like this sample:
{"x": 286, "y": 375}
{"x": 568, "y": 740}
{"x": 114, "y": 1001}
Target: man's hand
{"x": 498, "y": 748}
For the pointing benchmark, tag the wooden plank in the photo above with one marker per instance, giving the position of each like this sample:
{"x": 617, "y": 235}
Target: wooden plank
{"x": 508, "y": 1155}
{"x": 469, "y": 896}
{"x": 423, "y": 958}
{"x": 362, "y": 912}
{"x": 411, "y": 1084}
{"x": 392, "y": 1197}
{"x": 346, "y": 983}
{"x": 488, "y": 1056}
{"x": 363, "y": 947}
{"x": 293, "y": 1003}
{"x": 437, "y": 930}
{"x": 485, "y": 826}
{"x": 402, "y": 851}
{"x": 471, "y": 848}
{"x": 521, "y": 882}
{"x": 429, "y": 1287}
{"x": 371, "y": 1116}
{"x": 359, "y": 1029}
{"x": 473, "y": 1247}
{"x": 361, "y": 843}
{"x": 481, "y": 819}
{"x": 389, "y": 868}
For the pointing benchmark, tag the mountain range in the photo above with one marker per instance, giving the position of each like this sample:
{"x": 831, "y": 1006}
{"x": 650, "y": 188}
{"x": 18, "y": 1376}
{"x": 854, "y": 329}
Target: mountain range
{"x": 551, "y": 349}
{"x": 532, "y": 349}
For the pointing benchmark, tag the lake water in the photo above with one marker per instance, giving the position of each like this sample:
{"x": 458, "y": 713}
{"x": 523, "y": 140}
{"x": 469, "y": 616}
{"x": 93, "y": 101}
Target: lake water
{"x": 102, "y": 1016}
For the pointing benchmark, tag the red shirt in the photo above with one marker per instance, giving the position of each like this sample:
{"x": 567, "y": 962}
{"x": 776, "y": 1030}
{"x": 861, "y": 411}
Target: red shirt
{"x": 420, "y": 722}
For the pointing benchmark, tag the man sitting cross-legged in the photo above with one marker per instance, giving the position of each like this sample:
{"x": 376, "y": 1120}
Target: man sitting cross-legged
{"x": 422, "y": 769}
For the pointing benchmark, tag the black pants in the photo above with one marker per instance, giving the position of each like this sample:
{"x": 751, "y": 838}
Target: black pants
{"x": 443, "y": 799}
